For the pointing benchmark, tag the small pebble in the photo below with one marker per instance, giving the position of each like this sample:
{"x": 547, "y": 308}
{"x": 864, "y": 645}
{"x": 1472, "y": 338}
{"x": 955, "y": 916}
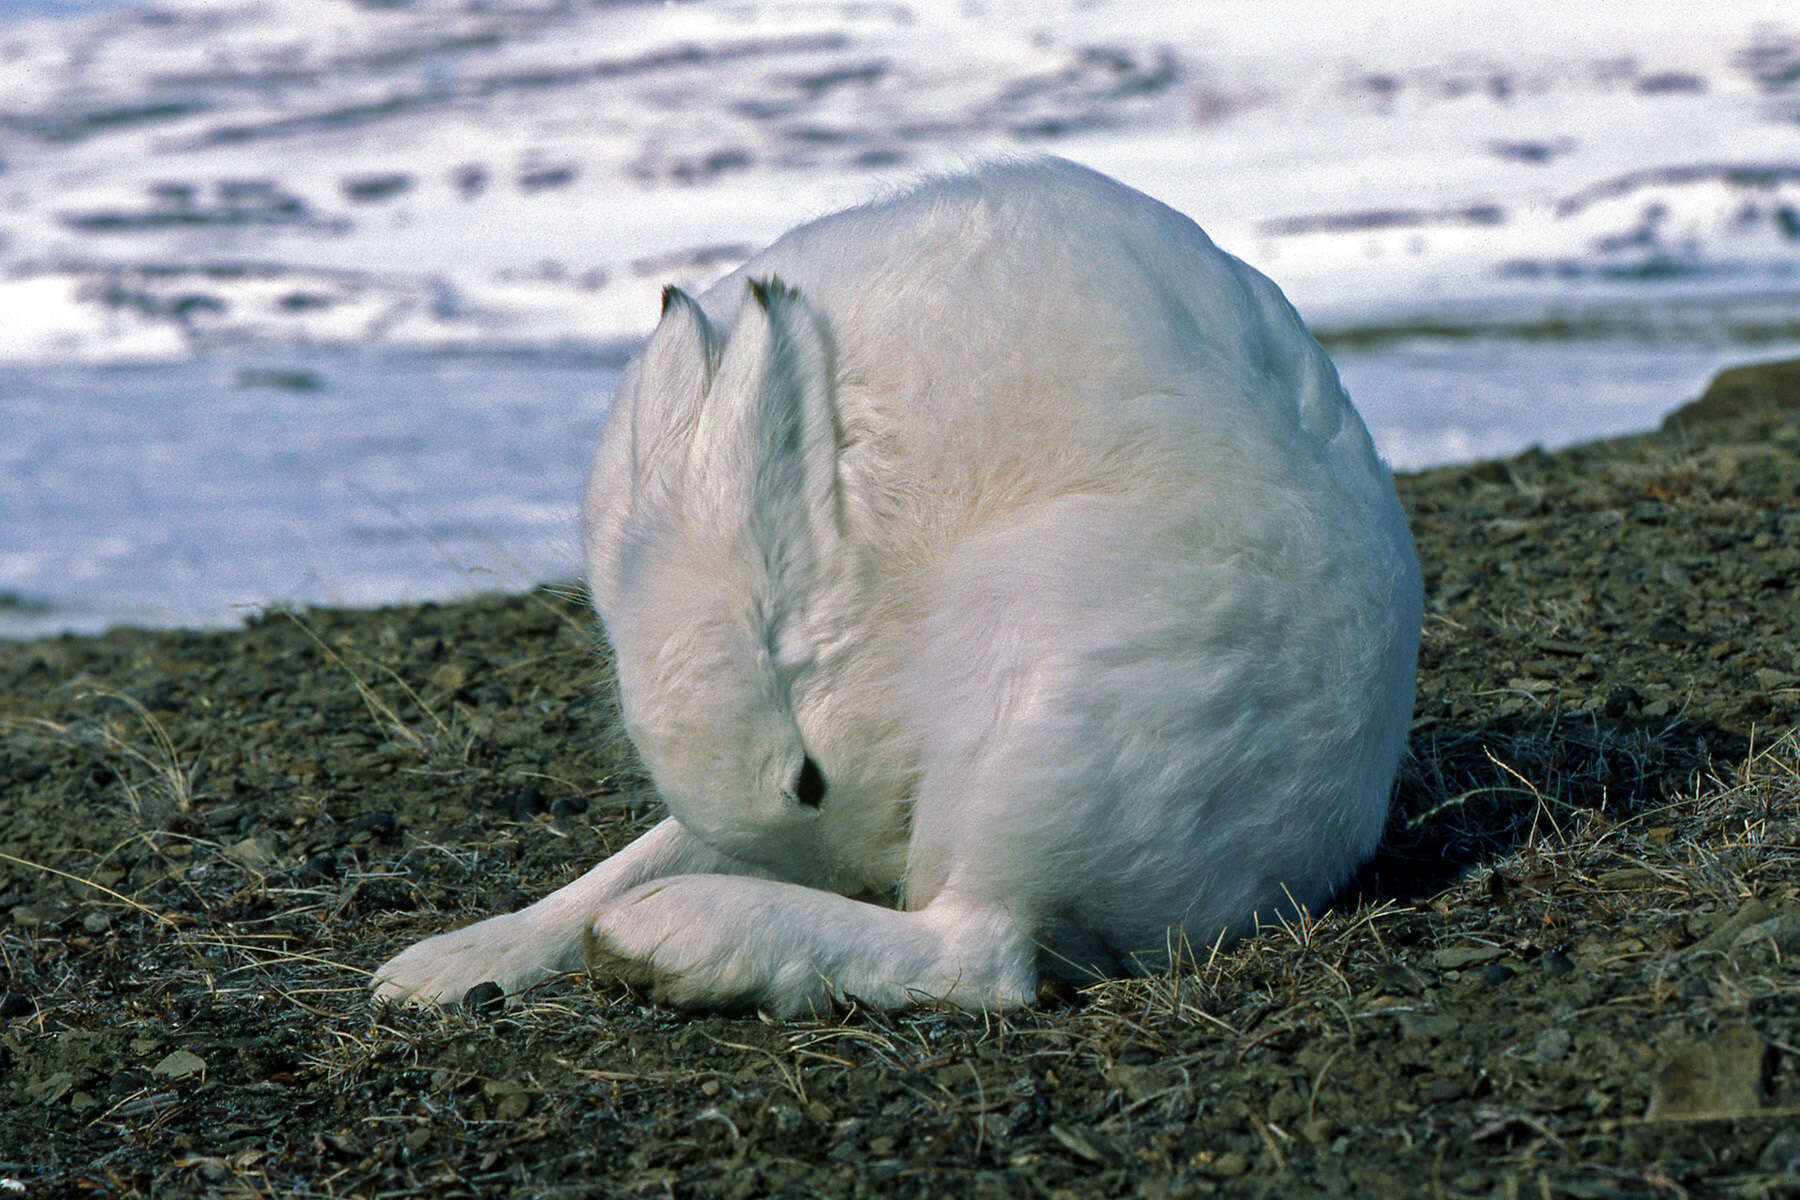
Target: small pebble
{"x": 227, "y": 814}
{"x": 319, "y": 867}
{"x": 179, "y": 1064}
{"x": 50, "y": 913}
{"x": 1557, "y": 963}
{"x": 1782, "y": 1154}
{"x": 1495, "y": 973}
{"x": 1621, "y": 700}
{"x": 381, "y": 824}
{"x": 1230, "y": 1164}
{"x": 1552, "y": 1044}
{"x": 523, "y": 803}
{"x": 484, "y": 999}
{"x": 1458, "y": 957}
{"x": 569, "y": 806}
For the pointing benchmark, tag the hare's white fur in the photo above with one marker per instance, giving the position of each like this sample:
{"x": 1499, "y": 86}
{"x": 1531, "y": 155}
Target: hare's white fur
{"x": 1044, "y": 529}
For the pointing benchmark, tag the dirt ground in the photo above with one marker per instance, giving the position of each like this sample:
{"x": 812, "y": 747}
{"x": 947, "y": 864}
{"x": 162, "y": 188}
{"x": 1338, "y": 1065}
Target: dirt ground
{"x": 1573, "y": 970}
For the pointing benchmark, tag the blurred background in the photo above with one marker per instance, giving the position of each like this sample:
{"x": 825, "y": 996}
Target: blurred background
{"x": 322, "y": 301}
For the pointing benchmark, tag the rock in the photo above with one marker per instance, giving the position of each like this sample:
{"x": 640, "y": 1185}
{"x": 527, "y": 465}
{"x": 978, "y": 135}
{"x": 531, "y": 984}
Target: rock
{"x": 224, "y": 816}
{"x": 449, "y": 677}
{"x": 1230, "y": 1164}
{"x": 250, "y": 852}
{"x": 1138, "y": 1082}
{"x": 1427, "y": 1025}
{"x": 1626, "y": 879}
{"x": 1725, "y": 934}
{"x": 1400, "y": 978}
{"x": 510, "y": 1100}
{"x": 1770, "y": 680}
{"x": 1443, "y": 1091}
{"x": 1085, "y": 1143}
{"x": 48, "y": 1089}
{"x": 319, "y": 868}
{"x": 1782, "y": 930}
{"x": 1782, "y": 1154}
{"x": 1669, "y": 631}
{"x": 1721, "y": 1076}
{"x": 178, "y": 1065}
{"x": 39, "y": 914}
{"x": 381, "y": 824}
{"x": 1621, "y": 700}
{"x": 1286, "y": 1105}
{"x": 1457, "y": 957}
{"x": 1552, "y": 1044}
{"x": 522, "y": 803}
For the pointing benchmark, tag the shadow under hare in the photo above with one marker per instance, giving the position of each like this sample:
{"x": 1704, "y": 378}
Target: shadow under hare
{"x": 1000, "y": 582}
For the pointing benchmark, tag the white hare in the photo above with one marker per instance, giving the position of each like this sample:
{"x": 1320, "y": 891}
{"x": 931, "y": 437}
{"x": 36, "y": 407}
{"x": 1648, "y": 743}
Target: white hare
{"x": 1000, "y": 580}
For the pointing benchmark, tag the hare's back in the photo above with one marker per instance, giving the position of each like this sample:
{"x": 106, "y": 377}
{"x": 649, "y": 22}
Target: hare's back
{"x": 1039, "y": 328}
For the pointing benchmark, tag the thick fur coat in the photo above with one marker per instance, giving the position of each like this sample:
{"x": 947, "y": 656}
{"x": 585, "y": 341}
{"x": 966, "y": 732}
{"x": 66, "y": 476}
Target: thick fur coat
{"x": 1000, "y": 580}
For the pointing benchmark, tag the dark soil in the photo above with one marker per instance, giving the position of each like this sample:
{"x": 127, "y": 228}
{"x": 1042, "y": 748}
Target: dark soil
{"x": 1574, "y": 969}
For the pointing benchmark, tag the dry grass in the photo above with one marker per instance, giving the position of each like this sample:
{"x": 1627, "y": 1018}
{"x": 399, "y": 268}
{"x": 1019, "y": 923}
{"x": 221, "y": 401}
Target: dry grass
{"x": 1272, "y": 1059}
{"x": 1585, "y": 913}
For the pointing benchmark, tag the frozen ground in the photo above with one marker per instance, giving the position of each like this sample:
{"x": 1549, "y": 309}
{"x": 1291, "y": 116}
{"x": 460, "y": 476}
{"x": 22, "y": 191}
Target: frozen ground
{"x": 276, "y": 274}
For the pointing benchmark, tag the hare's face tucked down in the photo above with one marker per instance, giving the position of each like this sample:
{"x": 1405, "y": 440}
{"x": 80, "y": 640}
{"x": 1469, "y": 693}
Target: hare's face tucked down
{"x": 720, "y": 567}
{"x": 710, "y": 708}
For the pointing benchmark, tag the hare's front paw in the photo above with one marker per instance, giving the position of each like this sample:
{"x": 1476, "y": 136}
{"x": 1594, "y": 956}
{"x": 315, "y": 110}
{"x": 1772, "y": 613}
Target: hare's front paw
{"x": 715, "y": 941}
{"x": 508, "y": 950}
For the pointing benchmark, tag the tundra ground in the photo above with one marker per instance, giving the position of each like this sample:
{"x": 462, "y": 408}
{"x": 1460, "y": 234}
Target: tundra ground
{"x": 1573, "y": 970}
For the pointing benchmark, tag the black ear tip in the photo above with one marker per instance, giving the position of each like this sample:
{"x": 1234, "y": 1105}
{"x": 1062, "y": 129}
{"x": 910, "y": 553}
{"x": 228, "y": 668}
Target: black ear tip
{"x": 764, "y": 291}
{"x": 670, "y": 294}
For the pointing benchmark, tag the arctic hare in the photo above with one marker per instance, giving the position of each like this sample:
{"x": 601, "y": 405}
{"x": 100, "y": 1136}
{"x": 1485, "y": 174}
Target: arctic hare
{"x": 1000, "y": 580}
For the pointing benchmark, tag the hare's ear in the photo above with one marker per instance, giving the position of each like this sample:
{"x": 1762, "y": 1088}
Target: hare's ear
{"x": 674, "y": 373}
{"x": 770, "y": 425}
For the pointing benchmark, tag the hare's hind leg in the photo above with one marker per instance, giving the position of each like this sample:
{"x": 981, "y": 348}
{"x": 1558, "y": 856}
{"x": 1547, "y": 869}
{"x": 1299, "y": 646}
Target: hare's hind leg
{"x": 519, "y": 949}
{"x": 724, "y": 941}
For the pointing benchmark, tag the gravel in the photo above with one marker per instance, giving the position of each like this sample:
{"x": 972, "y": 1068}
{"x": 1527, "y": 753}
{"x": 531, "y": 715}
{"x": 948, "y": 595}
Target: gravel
{"x": 1570, "y": 971}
